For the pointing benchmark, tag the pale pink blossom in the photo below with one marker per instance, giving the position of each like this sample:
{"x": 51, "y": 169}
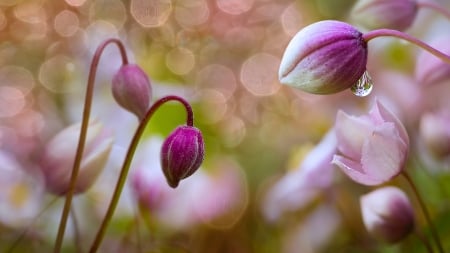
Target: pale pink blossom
{"x": 372, "y": 148}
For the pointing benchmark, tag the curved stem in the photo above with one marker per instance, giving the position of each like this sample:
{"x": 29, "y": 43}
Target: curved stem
{"x": 129, "y": 158}
{"x": 425, "y": 211}
{"x": 394, "y": 33}
{"x": 434, "y": 6}
{"x": 424, "y": 240}
{"x": 83, "y": 133}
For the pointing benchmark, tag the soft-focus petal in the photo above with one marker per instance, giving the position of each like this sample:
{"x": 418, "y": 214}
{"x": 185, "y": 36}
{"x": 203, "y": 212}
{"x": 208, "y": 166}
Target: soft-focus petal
{"x": 383, "y": 154}
{"x": 351, "y": 132}
{"x": 355, "y": 171}
{"x": 380, "y": 112}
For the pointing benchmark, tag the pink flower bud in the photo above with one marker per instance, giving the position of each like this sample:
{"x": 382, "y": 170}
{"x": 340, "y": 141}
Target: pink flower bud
{"x": 435, "y": 133}
{"x": 387, "y": 214}
{"x": 182, "y": 154}
{"x": 131, "y": 89}
{"x": 324, "y": 57}
{"x": 391, "y": 14}
{"x": 59, "y": 155}
{"x": 373, "y": 148}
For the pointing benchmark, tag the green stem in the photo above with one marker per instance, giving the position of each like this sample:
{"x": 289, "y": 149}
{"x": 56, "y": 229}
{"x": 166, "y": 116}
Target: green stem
{"x": 128, "y": 159}
{"x": 434, "y": 6}
{"x": 424, "y": 240}
{"x": 82, "y": 137}
{"x": 425, "y": 211}
{"x": 394, "y": 33}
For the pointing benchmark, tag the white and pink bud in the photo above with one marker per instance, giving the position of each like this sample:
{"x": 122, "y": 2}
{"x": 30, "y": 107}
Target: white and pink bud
{"x": 132, "y": 90}
{"x": 387, "y": 214}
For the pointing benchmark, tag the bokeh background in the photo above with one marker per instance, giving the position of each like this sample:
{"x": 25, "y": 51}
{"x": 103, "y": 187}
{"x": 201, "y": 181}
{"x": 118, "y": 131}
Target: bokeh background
{"x": 223, "y": 57}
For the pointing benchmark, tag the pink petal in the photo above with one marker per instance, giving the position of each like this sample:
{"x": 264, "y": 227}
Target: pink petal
{"x": 354, "y": 171}
{"x": 350, "y": 133}
{"x": 384, "y": 153}
{"x": 388, "y": 116}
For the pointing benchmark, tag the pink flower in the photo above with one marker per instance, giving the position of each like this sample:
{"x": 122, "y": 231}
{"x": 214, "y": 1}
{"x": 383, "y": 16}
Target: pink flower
{"x": 431, "y": 70}
{"x": 387, "y": 214}
{"x": 297, "y": 188}
{"x": 373, "y": 148}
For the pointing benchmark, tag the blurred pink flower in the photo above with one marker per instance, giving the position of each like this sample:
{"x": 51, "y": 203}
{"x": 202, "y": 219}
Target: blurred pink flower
{"x": 435, "y": 133}
{"x": 372, "y": 148}
{"x": 59, "y": 155}
{"x": 431, "y": 70}
{"x": 298, "y": 187}
{"x": 387, "y": 214}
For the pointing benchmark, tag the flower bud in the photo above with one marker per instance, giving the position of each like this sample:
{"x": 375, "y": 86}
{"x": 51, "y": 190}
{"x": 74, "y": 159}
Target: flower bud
{"x": 131, "y": 89}
{"x": 59, "y": 155}
{"x": 182, "y": 154}
{"x": 324, "y": 57}
{"x": 435, "y": 133}
{"x": 377, "y": 14}
{"x": 387, "y": 214}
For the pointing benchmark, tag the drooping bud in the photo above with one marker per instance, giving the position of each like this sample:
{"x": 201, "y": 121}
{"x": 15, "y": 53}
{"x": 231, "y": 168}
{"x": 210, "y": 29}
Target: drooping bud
{"x": 387, "y": 214}
{"x": 323, "y": 58}
{"x": 377, "y": 14}
{"x": 131, "y": 89}
{"x": 182, "y": 154}
{"x": 59, "y": 155}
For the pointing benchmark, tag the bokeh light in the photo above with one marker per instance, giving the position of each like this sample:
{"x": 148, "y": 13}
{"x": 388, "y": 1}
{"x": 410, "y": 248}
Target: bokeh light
{"x": 152, "y": 13}
{"x": 259, "y": 74}
{"x": 66, "y": 23}
{"x": 58, "y": 74}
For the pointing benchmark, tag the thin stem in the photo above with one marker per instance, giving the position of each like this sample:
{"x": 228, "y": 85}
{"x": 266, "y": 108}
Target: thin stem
{"x": 434, "y": 6}
{"x": 129, "y": 158}
{"x": 83, "y": 133}
{"x": 76, "y": 231}
{"x": 424, "y": 240}
{"x": 394, "y": 33}
{"x": 425, "y": 211}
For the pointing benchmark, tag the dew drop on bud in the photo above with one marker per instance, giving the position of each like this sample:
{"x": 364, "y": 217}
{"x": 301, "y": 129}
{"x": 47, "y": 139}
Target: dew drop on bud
{"x": 363, "y": 86}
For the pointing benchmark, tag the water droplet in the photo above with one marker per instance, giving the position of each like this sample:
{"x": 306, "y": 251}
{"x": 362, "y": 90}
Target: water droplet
{"x": 363, "y": 86}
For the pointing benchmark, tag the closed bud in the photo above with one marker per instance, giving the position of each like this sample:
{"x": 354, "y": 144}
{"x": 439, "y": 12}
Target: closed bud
{"x": 387, "y": 214}
{"x": 182, "y": 154}
{"x": 131, "y": 89}
{"x": 59, "y": 156}
{"x": 391, "y": 14}
{"x": 323, "y": 58}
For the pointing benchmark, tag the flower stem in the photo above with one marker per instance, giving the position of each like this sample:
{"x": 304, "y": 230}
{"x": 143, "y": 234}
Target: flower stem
{"x": 82, "y": 137}
{"x": 394, "y": 33}
{"x": 127, "y": 162}
{"x": 434, "y": 6}
{"x": 424, "y": 240}
{"x": 425, "y": 211}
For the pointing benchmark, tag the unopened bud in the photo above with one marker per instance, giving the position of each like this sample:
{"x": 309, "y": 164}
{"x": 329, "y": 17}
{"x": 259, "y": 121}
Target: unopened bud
{"x": 323, "y": 58}
{"x": 377, "y": 14}
{"x": 131, "y": 89}
{"x": 182, "y": 154}
{"x": 387, "y": 214}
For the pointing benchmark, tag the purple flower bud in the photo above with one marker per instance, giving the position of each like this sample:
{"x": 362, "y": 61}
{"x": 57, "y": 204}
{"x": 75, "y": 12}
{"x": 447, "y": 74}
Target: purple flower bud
{"x": 131, "y": 89}
{"x": 182, "y": 154}
{"x": 387, "y": 214}
{"x": 324, "y": 57}
{"x": 377, "y": 14}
